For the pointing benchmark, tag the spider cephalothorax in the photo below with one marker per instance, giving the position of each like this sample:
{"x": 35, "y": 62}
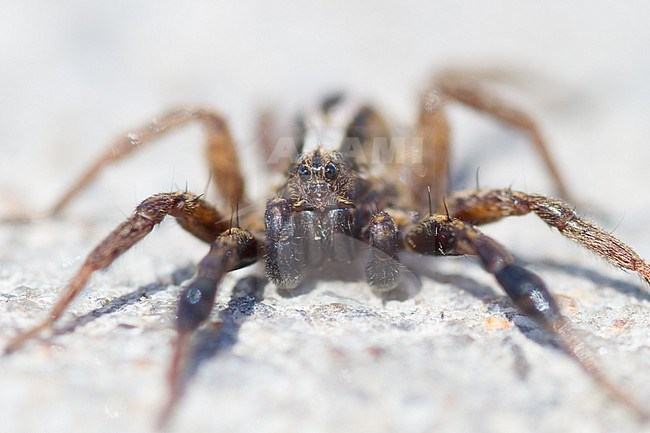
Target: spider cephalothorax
{"x": 314, "y": 218}
{"x": 333, "y": 207}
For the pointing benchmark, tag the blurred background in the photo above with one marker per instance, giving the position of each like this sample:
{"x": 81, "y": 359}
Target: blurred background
{"x": 75, "y": 74}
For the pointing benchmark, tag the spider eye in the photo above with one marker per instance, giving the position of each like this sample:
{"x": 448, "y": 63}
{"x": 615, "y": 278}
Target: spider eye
{"x": 303, "y": 170}
{"x": 330, "y": 171}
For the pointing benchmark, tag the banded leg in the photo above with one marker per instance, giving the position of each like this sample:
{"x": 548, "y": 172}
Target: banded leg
{"x": 434, "y": 130}
{"x": 233, "y": 249}
{"x": 220, "y": 152}
{"x": 193, "y": 214}
{"x": 441, "y": 235}
{"x": 482, "y": 207}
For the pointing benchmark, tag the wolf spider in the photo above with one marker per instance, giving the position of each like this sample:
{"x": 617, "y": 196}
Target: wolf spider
{"x": 333, "y": 197}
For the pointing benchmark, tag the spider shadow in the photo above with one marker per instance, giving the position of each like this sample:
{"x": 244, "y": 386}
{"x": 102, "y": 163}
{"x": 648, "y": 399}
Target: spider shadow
{"x": 123, "y": 301}
{"x": 408, "y": 287}
{"x": 425, "y": 266}
{"x": 112, "y": 307}
{"x": 596, "y": 277}
{"x": 497, "y": 302}
{"x": 209, "y": 341}
{"x": 501, "y": 304}
{"x": 328, "y": 271}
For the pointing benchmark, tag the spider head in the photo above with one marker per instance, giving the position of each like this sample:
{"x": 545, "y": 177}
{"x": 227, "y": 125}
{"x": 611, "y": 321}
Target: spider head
{"x": 322, "y": 179}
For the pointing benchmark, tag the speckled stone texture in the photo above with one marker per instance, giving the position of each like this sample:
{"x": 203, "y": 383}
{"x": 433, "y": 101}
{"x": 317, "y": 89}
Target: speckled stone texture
{"x": 449, "y": 353}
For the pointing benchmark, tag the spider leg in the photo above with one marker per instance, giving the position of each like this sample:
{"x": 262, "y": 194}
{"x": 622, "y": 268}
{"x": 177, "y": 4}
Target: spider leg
{"x": 327, "y": 236}
{"x": 382, "y": 267}
{"x": 194, "y": 215}
{"x": 441, "y": 235}
{"x": 434, "y": 130}
{"x": 481, "y": 207}
{"x": 341, "y": 234}
{"x": 285, "y": 257}
{"x": 367, "y": 126}
{"x": 220, "y": 153}
{"x": 433, "y": 171}
{"x": 233, "y": 249}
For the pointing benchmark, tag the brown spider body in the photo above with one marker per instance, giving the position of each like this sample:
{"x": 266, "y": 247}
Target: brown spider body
{"x": 338, "y": 202}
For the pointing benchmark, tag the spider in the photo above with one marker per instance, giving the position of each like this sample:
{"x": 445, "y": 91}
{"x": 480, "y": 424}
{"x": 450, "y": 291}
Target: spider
{"x": 339, "y": 199}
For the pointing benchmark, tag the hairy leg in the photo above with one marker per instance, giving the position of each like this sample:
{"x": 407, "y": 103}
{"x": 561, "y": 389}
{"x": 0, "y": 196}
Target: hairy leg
{"x": 193, "y": 214}
{"x": 233, "y": 249}
{"x": 485, "y": 206}
{"x": 220, "y": 153}
{"x": 434, "y": 130}
{"x": 442, "y": 235}
{"x": 285, "y": 258}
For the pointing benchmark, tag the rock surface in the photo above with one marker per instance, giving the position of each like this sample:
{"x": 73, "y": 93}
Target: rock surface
{"x": 449, "y": 354}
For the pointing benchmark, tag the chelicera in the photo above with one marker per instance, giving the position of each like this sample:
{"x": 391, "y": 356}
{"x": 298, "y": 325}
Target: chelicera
{"x": 338, "y": 202}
